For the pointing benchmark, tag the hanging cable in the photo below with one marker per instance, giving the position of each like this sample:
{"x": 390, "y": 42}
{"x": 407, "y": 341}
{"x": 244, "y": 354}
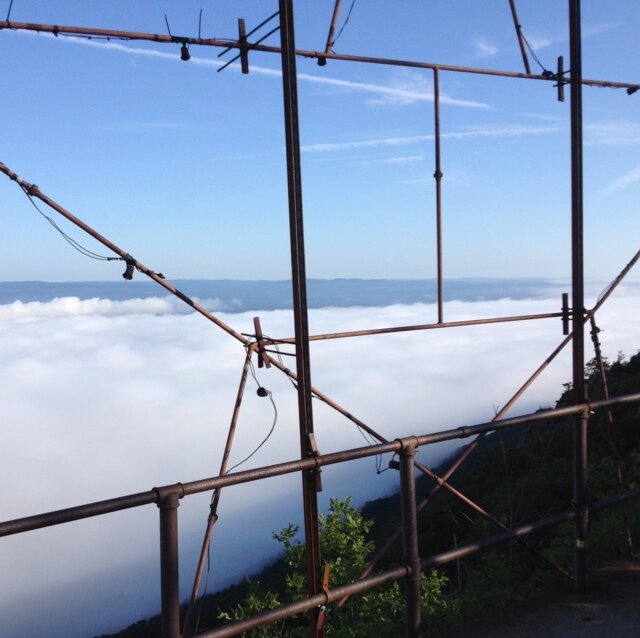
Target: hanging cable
{"x": 266, "y": 438}
{"x": 371, "y": 441}
{"x": 545, "y": 71}
{"x": 367, "y": 437}
{"x": 204, "y": 593}
{"x": 262, "y": 392}
{"x": 279, "y": 356}
{"x": 74, "y": 244}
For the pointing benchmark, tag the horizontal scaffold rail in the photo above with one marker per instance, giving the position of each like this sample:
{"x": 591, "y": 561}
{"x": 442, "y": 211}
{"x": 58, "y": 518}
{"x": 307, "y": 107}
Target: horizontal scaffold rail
{"x": 89, "y": 32}
{"x": 158, "y": 494}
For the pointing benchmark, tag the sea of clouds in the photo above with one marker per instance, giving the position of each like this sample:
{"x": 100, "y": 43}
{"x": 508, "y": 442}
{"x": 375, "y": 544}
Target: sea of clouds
{"x": 102, "y": 398}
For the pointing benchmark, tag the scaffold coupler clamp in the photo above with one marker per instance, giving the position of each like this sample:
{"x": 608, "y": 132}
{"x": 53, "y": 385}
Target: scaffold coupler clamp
{"x": 322, "y": 614}
{"x": 313, "y": 448}
{"x": 566, "y": 312}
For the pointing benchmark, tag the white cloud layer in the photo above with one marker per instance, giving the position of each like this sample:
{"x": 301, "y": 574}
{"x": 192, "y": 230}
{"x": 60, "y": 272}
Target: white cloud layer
{"x": 75, "y": 307}
{"x": 106, "y": 398}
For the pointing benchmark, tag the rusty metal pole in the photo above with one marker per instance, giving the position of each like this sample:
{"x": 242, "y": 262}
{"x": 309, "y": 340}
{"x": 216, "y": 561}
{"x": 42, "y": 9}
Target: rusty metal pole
{"x": 577, "y": 286}
{"x": 215, "y": 499}
{"x": 468, "y": 449}
{"x": 332, "y": 30}
{"x": 169, "y": 583}
{"x": 610, "y": 429}
{"x": 234, "y": 44}
{"x": 580, "y": 500}
{"x": 301, "y": 319}
{"x": 410, "y": 552}
{"x": 518, "y": 27}
{"x": 438, "y": 177}
{"x": 33, "y": 191}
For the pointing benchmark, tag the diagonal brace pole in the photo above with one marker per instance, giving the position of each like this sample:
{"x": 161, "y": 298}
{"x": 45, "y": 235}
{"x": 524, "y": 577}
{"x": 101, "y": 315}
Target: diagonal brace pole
{"x": 215, "y": 499}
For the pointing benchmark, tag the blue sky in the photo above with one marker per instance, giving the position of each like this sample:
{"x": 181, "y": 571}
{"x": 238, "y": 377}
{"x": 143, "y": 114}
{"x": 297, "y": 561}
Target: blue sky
{"x": 184, "y": 168}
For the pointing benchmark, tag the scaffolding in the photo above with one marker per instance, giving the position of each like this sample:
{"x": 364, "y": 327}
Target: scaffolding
{"x": 266, "y": 351}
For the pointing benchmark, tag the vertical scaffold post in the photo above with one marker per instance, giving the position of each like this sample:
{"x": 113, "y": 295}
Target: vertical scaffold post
{"x": 411, "y": 556}
{"x": 610, "y": 429}
{"x": 577, "y": 284}
{"x": 301, "y": 322}
{"x": 169, "y": 584}
{"x": 438, "y": 177}
{"x": 581, "y": 500}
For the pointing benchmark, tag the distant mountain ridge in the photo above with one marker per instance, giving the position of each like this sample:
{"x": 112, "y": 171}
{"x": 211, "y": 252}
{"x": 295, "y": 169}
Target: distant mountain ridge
{"x": 242, "y": 295}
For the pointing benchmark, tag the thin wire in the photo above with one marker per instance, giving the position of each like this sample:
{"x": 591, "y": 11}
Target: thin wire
{"x": 379, "y": 467}
{"x": 167, "y": 23}
{"x": 605, "y": 290}
{"x": 206, "y": 587}
{"x": 77, "y": 246}
{"x": 365, "y": 435}
{"x": 273, "y": 425}
{"x": 368, "y": 438}
{"x": 279, "y": 355}
{"x": 344, "y": 24}
{"x": 252, "y": 369}
{"x": 533, "y": 53}
{"x": 266, "y": 438}
{"x": 9, "y": 12}
{"x": 233, "y": 467}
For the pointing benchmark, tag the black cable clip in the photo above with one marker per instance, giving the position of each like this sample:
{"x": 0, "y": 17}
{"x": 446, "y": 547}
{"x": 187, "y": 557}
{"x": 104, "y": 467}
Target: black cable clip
{"x": 32, "y": 190}
{"x": 131, "y": 264}
{"x": 313, "y": 448}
